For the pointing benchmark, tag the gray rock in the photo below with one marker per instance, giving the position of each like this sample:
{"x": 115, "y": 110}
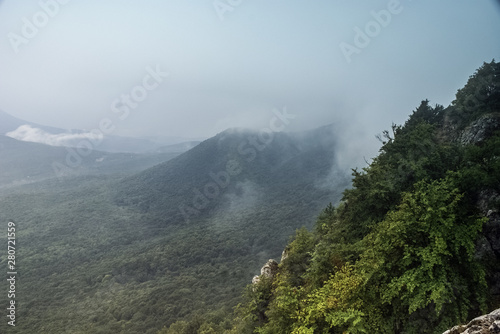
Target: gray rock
{"x": 479, "y": 130}
{"x": 483, "y": 249}
{"x": 269, "y": 270}
{"x": 495, "y": 327}
{"x": 485, "y": 324}
{"x": 485, "y": 201}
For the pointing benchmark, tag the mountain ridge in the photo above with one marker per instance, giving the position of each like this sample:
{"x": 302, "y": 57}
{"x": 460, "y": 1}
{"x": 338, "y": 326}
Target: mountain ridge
{"x": 109, "y": 143}
{"x": 232, "y": 156}
{"x": 123, "y": 241}
{"x": 24, "y": 162}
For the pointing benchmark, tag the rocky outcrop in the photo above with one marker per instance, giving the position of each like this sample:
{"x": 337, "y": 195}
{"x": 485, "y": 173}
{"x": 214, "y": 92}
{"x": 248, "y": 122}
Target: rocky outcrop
{"x": 472, "y": 134}
{"x": 479, "y": 130}
{"x": 489, "y": 323}
{"x": 269, "y": 270}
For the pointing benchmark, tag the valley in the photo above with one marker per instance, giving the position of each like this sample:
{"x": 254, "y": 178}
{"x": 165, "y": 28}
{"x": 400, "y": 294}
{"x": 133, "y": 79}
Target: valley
{"x": 112, "y": 248}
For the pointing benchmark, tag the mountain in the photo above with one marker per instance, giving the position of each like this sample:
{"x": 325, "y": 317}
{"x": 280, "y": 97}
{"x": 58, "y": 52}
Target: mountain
{"x": 239, "y": 169}
{"x": 10, "y": 123}
{"x": 113, "y": 254}
{"x": 179, "y": 147}
{"x": 33, "y": 132}
{"x": 25, "y": 162}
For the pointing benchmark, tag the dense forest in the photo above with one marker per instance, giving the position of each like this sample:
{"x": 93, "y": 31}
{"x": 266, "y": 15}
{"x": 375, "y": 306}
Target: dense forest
{"x": 413, "y": 245}
{"x": 110, "y": 251}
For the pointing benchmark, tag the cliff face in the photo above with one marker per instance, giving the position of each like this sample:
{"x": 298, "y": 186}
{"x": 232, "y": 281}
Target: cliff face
{"x": 489, "y": 323}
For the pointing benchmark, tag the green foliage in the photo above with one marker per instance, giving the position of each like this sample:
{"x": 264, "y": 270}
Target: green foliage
{"x": 425, "y": 113}
{"x": 413, "y": 154}
{"x": 480, "y": 95}
{"x": 333, "y": 308}
{"x": 107, "y": 269}
{"x": 417, "y": 263}
{"x": 281, "y": 295}
{"x": 331, "y": 249}
{"x": 422, "y": 255}
{"x": 282, "y": 308}
{"x": 482, "y": 167}
{"x": 251, "y": 313}
{"x": 297, "y": 257}
{"x": 398, "y": 254}
{"x": 208, "y": 323}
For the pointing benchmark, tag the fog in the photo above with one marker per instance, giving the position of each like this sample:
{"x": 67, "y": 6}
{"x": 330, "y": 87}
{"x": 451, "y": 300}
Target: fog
{"x": 193, "y": 69}
{"x": 36, "y": 135}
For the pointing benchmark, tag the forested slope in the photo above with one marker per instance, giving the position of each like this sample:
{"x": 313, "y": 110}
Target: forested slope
{"x": 107, "y": 254}
{"x": 414, "y": 245}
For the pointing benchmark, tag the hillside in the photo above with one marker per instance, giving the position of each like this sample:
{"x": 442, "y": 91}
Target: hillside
{"x": 25, "y": 162}
{"x": 414, "y": 245}
{"x": 235, "y": 170}
{"x": 113, "y": 254}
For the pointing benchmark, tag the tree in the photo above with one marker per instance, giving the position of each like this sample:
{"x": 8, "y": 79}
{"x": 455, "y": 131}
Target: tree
{"x": 335, "y": 307}
{"x": 421, "y": 258}
{"x": 480, "y": 95}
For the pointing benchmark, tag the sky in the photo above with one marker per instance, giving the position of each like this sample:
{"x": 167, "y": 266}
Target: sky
{"x": 191, "y": 69}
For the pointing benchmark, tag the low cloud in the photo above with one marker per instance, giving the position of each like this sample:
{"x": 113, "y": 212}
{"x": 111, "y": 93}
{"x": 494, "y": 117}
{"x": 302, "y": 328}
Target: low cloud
{"x": 37, "y": 135}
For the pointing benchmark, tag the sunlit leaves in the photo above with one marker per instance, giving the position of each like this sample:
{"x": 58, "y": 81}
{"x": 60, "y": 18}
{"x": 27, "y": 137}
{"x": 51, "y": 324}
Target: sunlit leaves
{"x": 335, "y": 305}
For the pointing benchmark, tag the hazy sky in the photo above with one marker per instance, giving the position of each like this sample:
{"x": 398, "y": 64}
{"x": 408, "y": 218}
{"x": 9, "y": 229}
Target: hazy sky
{"x": 72, "y": 64}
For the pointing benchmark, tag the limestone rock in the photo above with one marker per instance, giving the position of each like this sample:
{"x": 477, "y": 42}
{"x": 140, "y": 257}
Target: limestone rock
{"x": 485, "y": 324}
{"x": 269, "y": 270}
{"x": 495, "y": 327}
{"x": 479, "y": 130}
